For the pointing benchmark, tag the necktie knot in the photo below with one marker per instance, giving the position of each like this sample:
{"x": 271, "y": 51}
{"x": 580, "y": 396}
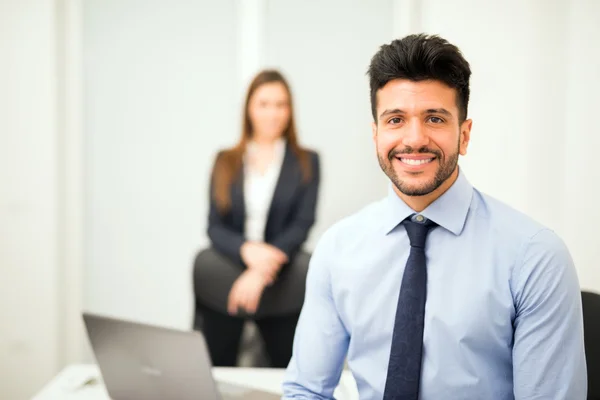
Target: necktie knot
{"x": 417, "y": 228}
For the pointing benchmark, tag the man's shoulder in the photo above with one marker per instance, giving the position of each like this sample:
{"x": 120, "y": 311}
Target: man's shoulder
{"x": 512, "y": 225}
{"x": 503, "y": 217}
{"x": 364, "y": 221}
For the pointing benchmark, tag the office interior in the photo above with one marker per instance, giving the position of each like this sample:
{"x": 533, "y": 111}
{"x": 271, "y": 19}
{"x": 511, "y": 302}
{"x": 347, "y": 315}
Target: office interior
{"x": 111, "y": 113}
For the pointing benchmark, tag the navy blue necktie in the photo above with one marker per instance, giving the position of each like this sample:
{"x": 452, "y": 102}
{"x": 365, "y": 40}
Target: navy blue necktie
{"x": 404, "y": 369}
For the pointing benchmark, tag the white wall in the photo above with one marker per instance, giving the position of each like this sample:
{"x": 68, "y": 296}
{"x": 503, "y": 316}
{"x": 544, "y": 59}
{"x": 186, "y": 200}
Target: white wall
{"x": 582, "y": 141}
{"x": 160, "y": 96}
{"x": 29, "y": 188}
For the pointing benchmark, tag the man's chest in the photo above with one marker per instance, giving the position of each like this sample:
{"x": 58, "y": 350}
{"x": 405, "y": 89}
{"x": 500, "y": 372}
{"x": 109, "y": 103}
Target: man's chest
{"x": 468, "y": 293}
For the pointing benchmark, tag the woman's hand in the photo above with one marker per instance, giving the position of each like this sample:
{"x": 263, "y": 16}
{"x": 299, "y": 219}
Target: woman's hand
{"x": 264, "y": 258}
{"x": 246, "y": 292}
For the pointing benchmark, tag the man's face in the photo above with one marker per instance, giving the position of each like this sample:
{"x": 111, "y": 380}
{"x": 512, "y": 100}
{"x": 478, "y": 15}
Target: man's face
{"x": 418, "y": 135}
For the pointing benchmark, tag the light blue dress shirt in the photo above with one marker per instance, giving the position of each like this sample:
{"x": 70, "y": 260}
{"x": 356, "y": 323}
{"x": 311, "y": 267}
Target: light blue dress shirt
{"x": 503, "y": 316}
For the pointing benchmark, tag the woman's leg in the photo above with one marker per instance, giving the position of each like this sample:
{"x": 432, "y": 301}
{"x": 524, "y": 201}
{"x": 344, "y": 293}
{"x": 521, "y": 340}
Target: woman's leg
{"x": 222, "y": 333}
{"x": 278, "y": 336}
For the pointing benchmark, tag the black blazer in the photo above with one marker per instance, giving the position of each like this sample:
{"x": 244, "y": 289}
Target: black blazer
{"x": 291, "y": 214}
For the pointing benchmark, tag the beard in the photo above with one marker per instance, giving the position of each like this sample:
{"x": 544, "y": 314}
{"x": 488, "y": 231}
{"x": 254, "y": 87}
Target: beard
{"x": 446, "y": 166}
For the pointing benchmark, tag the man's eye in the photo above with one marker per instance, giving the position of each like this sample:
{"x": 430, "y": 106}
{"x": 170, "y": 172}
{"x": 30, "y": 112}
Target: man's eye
{"x": 395, "y": 120}
{"x": 436, "y": 120}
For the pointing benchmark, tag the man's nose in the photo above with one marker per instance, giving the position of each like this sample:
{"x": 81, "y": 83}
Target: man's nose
{"x": 415, "y": 135}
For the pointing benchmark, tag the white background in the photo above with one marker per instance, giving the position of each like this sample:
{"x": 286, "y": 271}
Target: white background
{"x": 111, "y": 111}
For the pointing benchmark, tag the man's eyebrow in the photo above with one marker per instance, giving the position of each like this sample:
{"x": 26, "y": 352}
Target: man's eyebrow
{"x": 438, "y": 111}
{"x": 391, "y": 111}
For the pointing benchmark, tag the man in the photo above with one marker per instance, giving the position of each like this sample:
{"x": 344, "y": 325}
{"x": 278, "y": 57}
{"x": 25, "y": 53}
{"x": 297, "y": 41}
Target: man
{"x": 437, "y": 291}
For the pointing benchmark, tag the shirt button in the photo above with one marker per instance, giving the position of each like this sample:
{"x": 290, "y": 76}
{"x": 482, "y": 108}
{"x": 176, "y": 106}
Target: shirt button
{"x": 419, "y": 218}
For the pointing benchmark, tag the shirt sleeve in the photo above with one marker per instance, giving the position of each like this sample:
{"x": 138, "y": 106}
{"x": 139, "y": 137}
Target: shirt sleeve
{"x": 321, "y": 340}
{"x": 548, "y": 351}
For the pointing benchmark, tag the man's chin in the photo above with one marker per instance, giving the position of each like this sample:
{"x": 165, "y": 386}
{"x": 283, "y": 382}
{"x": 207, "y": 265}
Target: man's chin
{"x": 416, "y": 189}
{"x": 416, "y": 193}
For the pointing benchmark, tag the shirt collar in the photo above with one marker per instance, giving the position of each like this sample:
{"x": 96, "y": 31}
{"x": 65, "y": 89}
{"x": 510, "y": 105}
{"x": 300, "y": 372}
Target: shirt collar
{"x": 448, "y": 211}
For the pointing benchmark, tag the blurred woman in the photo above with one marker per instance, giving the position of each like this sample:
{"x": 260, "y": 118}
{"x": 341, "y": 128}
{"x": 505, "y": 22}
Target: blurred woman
{"x": 263, "y": 198}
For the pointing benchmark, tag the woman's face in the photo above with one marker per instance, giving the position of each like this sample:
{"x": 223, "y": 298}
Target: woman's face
{"x": 269, "y": 111}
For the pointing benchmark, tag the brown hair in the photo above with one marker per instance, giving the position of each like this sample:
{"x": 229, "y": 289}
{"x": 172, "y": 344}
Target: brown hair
{"x": 229, "y": 163}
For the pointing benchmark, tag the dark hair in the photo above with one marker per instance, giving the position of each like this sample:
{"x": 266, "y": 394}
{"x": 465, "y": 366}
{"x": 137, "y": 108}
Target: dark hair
{"x": 229, "y": 163}
{"x": 421, "y": 57}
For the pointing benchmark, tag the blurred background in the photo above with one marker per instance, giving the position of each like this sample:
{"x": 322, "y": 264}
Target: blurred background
{"x": 111, "y": 112}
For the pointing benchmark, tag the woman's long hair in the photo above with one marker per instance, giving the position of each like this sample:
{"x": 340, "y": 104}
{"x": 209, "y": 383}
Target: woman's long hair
{"x": 229, "y": 164}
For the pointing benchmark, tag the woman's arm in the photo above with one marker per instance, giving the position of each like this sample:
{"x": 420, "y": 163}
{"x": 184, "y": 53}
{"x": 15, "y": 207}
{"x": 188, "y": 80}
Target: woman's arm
{"x": 292, "y": 238}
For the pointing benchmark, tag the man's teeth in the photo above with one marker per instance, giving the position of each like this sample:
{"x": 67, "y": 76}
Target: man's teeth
{"x": 411, "y": 161}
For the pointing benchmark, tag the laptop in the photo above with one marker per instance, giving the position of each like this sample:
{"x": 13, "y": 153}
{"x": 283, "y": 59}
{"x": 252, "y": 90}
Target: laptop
{"x": 144, "y": 362}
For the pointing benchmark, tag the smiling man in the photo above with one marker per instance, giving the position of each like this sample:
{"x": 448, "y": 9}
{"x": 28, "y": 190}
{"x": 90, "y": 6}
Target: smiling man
{"x": 437, "y": 291}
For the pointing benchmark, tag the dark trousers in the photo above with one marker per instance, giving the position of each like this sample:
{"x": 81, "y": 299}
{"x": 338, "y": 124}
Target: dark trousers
{"x": 223, "y": 334}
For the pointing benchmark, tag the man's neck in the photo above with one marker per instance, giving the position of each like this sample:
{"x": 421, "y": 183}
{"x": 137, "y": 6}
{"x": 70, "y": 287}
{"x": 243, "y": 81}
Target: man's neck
{"x": 419, "y": 203}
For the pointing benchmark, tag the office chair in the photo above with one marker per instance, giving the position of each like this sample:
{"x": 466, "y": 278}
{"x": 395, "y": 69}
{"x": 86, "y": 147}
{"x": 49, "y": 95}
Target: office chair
{"x": 591, "y": 329}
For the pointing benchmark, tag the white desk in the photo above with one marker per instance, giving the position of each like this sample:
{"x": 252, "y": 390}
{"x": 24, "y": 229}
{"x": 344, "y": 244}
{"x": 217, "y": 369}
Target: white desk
{"x": 66, "y": 385}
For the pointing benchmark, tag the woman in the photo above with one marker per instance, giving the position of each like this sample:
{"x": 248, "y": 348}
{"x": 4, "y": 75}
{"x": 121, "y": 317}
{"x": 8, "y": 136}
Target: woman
{"x": 262, "y": 205}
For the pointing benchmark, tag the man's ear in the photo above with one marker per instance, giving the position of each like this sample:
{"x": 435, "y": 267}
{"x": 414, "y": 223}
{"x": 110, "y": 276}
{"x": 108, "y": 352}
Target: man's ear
{"x": 465, "y": 136}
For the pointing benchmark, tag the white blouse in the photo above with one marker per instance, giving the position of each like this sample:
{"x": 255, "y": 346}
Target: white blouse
{"x": 258, "y": 191}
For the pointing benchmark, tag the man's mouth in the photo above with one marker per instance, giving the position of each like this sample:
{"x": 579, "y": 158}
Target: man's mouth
{"x": 415, "y": 161}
